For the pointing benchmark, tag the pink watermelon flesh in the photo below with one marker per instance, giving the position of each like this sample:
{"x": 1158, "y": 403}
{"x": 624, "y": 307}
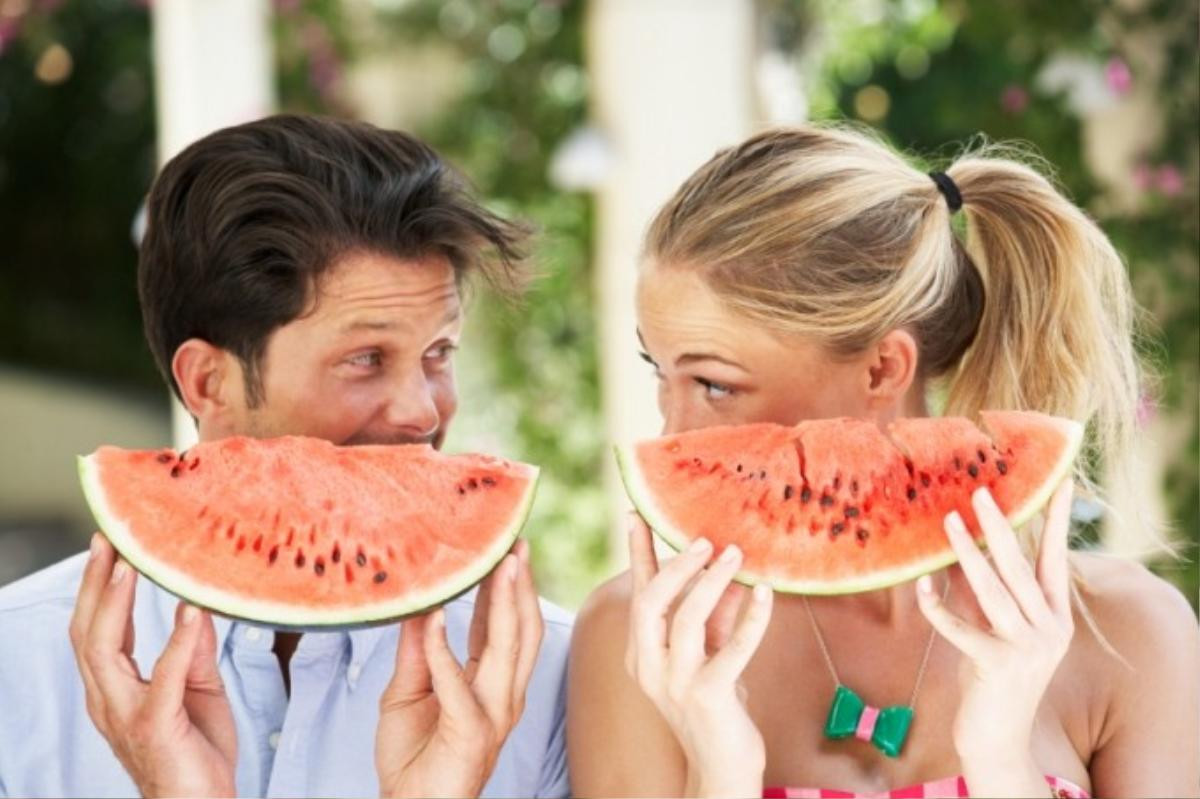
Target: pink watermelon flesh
{"x": 296, "y": 532}
{"x": 837, "y": 505}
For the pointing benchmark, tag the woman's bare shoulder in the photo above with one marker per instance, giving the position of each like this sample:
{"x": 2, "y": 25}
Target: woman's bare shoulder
{"x": 605, "y": 613}
{"x": 1140, "y": 614}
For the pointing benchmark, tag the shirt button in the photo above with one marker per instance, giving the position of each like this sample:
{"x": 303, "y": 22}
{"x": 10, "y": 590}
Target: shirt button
{"x": 273, "y": 740}
{"x": 253, "y": 634}
{"x": 353, "y": 671}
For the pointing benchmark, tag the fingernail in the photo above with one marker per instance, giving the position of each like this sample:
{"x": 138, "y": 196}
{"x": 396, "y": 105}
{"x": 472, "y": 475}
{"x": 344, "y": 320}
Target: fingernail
{"x": 955, "y": 523}
{"x": 762, "y": 592}
{"x": 94, "y": 547}
{"x": 119, "y": 571}
{"x": 700, "y": 545}
{"x": 924, "y": 584}
{"x": 510, "y": 570}
{"x": 730, "y": 554}
{"x": 190, "y": 614}
{"x": 983, "y": 497}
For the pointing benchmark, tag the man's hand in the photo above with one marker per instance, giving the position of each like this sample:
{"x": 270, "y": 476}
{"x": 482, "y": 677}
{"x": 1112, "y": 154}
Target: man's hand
{"x": 174, "y": 734}
{"x": 441, "y": 726}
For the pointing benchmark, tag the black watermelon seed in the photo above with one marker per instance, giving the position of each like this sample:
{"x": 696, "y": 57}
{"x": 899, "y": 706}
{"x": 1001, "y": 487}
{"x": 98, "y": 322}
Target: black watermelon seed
{"x": 361, "y": 560}
{"x": 695, "y": 461}
{"x": 861, "y": 534}
{"x": 1002, "y": 467}
{"x": 837, "y": 528}
{"x": 336, "y": 555}
{"x": 982, "y": 456}
{"x": 739, "y": 467}
{"x": 462, "y": 490}
{"x": 488, "y": 481}
{"x": 472, "y": 484}
{"x": 300, "y": 559}
{"x": 805, "y": 494}
{"x": 273, "y": 554}
{"x": 762, "y": 475}
{"x": 319, "y": 567}
{"x": 854, "y": 487}
{"x": 175, "y": 470}
{"x": 787, "y": 492}
{"x": 912, "y": 493}
{"x": 195, "y": 462}
{"x": 925, "y": 481}
{"x": 851, "y": 512}
{"x": 972, "y": 470}
{"x": 957, "y": 463}
{"x": 379, "y": 577}
{"x": 837, "y": 483}
{"x": 826, "y": 500}
{"x": 165, "y": 457}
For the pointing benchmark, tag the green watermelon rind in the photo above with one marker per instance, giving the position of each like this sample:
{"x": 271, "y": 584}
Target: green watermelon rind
{"x": 642, "y": 498}
{"x": 282, "y": 615}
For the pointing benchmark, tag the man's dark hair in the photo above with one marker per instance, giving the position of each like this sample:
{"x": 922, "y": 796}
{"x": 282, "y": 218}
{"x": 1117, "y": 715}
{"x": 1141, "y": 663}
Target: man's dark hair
{"x": 242, "y": 224}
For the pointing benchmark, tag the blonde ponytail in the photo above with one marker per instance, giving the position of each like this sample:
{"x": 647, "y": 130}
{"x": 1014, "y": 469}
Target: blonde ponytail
{"x": 1057, "y": 330}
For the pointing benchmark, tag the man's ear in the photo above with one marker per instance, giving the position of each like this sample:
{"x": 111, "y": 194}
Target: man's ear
{"x": 891, "y": 368}
{"x": 208, "y": 379}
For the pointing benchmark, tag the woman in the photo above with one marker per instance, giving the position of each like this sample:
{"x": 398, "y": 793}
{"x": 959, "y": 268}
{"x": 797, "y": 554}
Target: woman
{"x": 814, "y": 273}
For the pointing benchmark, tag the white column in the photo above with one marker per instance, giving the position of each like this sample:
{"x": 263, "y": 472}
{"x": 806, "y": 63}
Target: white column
{"x": 213, "y": 67}
{"x": 672, "y": 82}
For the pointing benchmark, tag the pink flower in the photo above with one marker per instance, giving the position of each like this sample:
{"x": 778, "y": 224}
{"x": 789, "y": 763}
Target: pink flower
{"x": 1147, "y": 409}
{"x": 1143, "y": 176}
{"x": 1169, "y": 180}
{"x": 1118, "y": 76}
{"x": 1014, "y": 98}
{"x": 9, "y": 30}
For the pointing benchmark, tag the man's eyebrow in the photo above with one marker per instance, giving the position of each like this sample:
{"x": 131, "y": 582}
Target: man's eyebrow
{"x": 355, "y": 325}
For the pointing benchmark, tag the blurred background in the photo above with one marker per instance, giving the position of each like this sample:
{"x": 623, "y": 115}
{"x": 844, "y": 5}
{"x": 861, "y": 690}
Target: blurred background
{"x": 582, "y": 117}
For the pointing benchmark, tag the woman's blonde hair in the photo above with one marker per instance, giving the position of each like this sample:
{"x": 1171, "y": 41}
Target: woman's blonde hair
{"x": 828, "y": 233}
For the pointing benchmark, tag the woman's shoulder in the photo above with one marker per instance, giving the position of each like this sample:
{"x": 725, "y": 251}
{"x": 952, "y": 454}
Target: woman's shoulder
{"x": 1138, "y": 614}
{"x": 605, "y": 613}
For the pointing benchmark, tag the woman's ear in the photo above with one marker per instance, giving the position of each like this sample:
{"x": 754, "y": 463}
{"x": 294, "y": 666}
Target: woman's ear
{"x": 204, "y": 374}
{"x": 891, "y": 368}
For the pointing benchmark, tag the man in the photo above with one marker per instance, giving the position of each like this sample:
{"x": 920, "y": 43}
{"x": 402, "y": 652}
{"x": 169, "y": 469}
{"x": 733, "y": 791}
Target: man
{"x": 298, "y": 276}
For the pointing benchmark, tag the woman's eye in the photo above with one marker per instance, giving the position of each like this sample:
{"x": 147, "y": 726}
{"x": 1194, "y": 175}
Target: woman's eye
{"x": 713, "y": 390}
{"x": 646, "y": 357}
{"x": 370, "y": 359}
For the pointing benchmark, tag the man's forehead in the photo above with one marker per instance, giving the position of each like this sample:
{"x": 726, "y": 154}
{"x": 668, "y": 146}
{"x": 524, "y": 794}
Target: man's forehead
{"x": 362, "y": 289}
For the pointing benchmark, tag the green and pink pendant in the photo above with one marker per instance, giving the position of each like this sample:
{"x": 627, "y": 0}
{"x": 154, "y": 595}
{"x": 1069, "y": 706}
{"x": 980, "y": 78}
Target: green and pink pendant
{"x": 886, "y": 729}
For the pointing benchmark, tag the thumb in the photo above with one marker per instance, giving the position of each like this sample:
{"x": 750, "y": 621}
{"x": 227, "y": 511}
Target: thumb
{"x": 412, "y": 678}
{"x": 202, "y": 669}
{"x": 169, "y": 678}
{"x": 204, "y": 697}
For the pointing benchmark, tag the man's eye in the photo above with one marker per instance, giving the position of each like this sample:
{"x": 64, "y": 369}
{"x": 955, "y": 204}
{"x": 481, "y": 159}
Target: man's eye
{"x": 714, "y": 391}
{"x": 440, "y": 352}
{"x": 371, "y": 359}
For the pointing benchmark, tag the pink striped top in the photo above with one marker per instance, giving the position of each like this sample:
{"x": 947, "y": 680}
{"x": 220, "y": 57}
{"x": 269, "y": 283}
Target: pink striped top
{"x": 952, "y": 787}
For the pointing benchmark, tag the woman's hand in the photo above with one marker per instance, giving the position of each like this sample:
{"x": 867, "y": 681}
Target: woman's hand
{"x": 689, "y": 663}
{"x": 1008, "y": 667}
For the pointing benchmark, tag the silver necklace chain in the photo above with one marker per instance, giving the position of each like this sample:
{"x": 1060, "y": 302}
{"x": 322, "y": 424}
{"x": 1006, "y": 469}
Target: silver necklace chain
{"x": 912, "y": 702}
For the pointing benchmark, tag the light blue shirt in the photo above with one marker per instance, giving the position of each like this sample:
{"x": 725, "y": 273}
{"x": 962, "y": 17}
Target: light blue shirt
{"x": 320, "y": 742}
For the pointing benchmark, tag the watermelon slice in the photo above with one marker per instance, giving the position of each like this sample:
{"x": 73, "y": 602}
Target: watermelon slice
{"x": 298, "y": 533}
{"x": 836, "y": 506}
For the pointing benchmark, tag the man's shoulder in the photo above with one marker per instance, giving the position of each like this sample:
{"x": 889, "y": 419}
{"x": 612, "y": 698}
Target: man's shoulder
{"x": 50, "y": 589}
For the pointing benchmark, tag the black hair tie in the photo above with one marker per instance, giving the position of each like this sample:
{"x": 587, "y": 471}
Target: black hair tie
{"x": 948, "y": 189}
